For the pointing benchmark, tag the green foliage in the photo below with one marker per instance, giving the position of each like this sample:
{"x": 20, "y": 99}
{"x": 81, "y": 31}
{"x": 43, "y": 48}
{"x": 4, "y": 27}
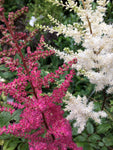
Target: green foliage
{"x": 6, "y": 74}
{"x": 5, "y": 136}
{"x": 15, "y": 143}
{"x": 40, "y": 9}
{"x": 109, "y": 13}
{"x": 108, "y": 140}
{"x": 6, "y": 117}
{"x": 23, "y": 146}
{"x": 11, "y": 142}
{"x": 13, "y": 5}
{"x": 16, "y": 115}
{"x": 95, "y": 137}
{"x": 90, "y": 128}
{"x": 102, "y": 128}
{"x": 111, "y": 104}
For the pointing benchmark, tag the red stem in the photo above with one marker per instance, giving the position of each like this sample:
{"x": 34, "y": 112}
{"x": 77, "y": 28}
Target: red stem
{"x": 21, "y": 55}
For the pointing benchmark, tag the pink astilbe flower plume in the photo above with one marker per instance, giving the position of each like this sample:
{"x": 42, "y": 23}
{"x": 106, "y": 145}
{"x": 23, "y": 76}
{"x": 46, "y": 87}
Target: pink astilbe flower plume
{"x": 41, "y": 120}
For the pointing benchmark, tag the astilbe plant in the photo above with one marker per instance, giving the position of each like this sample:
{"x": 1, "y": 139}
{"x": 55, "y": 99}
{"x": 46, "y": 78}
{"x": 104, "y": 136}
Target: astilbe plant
{"x": 96, "y": 37}
{"x": 40, "y": 113}
{"x": 95, "y": 61}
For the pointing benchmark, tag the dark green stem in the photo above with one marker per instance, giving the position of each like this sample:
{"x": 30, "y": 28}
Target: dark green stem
{"x": 104, "y": 101}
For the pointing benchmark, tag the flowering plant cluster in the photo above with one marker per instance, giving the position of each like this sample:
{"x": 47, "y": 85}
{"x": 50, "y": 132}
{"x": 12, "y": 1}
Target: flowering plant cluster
{"x": 41, "y": 119}
{"x": 81, "y": 110}
{"x": 95, "y": 61}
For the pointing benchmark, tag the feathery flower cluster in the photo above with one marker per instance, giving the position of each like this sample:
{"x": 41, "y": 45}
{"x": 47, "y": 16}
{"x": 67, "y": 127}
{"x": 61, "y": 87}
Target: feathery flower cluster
{"x": 41, "y": 119}
{"x": 81, "y": 111}
{"x": 96, "y": 60}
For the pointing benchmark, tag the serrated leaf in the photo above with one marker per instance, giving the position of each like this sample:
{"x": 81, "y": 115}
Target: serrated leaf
{"x": 87, "y": 147}
{"x": 90, "y": 128}
{"x": 5, "y": 137}
{"x": 104, "y": 148}
{"x": 80, "y": 144}
{"x": 5, "y": 144}
{"x": 4, "y": 118}
{"x": 74, "y": 131}
{"x": 23, "y": 146}
{"x": 94, "y": 145}
{"x": 16, "y": 115}
{"x": 108, "y": 141}
{"x": 103, "y": 128}
{"x": 11, "y": 144}
{"x": 85, "y": 135}
{"x": 3, "y": 68}
{"x": 10, "y": 148}
{"x": 94, "y": 138}
{"x": 101, "y": 144}
{"x": 80, "y": 138}
{"x": 7, "y": 75}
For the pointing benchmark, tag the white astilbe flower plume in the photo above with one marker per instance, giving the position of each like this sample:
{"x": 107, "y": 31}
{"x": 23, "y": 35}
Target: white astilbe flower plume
{"x": 81, "y": 111}
{"x": 96, "y": 61}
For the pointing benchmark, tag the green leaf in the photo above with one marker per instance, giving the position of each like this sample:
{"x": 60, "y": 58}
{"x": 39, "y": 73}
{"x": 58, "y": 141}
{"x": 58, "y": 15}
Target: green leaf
{"x": 16, "y": 115}
{"x": 103, "y": 128}
{"x": 104, "y": 148}
{"x": 4, "y": 98}
{"x": 90, "y": 128}
{"x": 101, "y": 144}
{"x": 23, "y": 146}
{"x": 94, "y": 5}
{"x": 4, "y": 118}
{"x": 44, "y": 73}
{"x": 108, "y": 140}
{"x": 5, "y": 144}
{"x": 94, "y": 138}
{"x": 94, "y": 145}
{"x": 1, "y": 142}
{"x": 79, "y": 144}
{"x": 85, "y": 135}
{"x": 74, "y": 131}
{"x": 3, "y": 68}
{"x": 87, "y": 147}
{"x": 5, "y": 136}
{"x": 11, "y": 144}
{"x": 80, "y": 138}
{"x": 97, "y": 106}
{"x": 7, "y": 75}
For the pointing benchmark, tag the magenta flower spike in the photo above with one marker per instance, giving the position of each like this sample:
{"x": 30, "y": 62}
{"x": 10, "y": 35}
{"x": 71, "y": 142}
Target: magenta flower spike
{"x": 41, "y": 120}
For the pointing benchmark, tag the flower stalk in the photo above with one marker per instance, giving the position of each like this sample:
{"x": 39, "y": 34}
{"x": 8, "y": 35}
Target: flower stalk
{"x": 39, "y": 112}
{"x": 89, "y": 23}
